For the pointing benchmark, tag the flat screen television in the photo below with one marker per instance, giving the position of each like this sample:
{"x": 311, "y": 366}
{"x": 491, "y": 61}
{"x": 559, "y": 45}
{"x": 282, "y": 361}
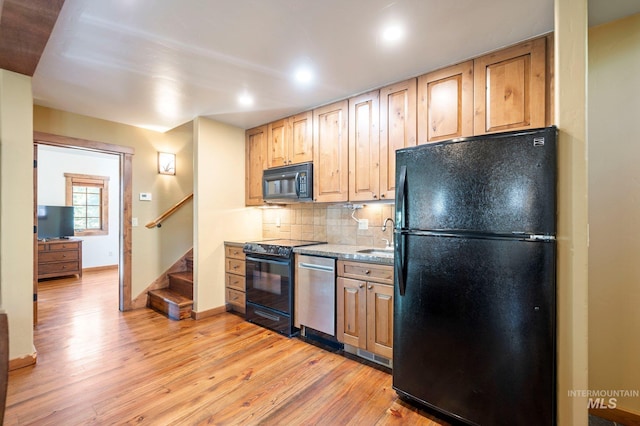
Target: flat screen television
{"x": 55, "y": 222}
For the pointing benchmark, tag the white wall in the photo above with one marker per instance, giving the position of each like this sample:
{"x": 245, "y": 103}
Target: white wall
{"x": 53, "y": 163}
{"x": 614, "y": 208}
{"x": 220, "y": 213}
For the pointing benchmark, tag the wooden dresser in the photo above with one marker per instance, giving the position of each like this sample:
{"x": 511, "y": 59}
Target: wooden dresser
{"x": 58, "y": 258}
{"x": 234, "y": 277}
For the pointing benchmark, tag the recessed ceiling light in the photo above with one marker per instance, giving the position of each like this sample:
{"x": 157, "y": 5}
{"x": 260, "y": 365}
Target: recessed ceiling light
{"x": 303, "y": 75}
{"x": 392, "y": 33}
{"x": 245, "y": 99}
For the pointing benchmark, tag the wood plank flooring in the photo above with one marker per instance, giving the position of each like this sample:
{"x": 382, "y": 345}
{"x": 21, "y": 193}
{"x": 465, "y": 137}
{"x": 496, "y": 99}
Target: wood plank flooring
{"x": 97, "y": 365}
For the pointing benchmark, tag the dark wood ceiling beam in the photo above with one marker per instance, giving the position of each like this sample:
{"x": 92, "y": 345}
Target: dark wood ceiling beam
{"x": 25, "y": 27}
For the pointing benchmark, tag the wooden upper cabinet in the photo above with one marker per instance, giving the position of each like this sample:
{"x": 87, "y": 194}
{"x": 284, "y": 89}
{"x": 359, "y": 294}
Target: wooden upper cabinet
{"x": 330, "y": 153}
{"x": 445, "y": 103}
{"x": 290, "y": 140}
{"x": 364, "y": 147}
{"x": 277, "y": 144}
{"x": 301, "y": 139}
{"x": 510, "y": 88}
{"x": 397, "y": 130}
{"x": 256, "y": 161}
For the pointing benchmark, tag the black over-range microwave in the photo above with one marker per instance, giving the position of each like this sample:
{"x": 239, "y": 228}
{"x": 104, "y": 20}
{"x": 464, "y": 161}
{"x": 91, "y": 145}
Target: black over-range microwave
{"x": 288, "y": 184}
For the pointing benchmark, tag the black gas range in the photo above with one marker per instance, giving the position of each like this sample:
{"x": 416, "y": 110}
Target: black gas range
{"x": 270, "y": 283}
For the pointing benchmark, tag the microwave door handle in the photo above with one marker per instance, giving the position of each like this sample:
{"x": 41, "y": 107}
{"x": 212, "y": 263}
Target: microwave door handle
{"x": 297, "y": 185}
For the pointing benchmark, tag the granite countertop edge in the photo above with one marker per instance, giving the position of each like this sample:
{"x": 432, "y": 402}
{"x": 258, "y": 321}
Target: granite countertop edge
{"x": 345, "y": 252}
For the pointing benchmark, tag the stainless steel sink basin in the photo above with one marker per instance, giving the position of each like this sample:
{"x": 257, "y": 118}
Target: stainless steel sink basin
{"x": 377, "y": 251}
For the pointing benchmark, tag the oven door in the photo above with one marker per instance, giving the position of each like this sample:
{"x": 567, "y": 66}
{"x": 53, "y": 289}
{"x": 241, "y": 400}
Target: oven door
{"x": 269, "y": 282}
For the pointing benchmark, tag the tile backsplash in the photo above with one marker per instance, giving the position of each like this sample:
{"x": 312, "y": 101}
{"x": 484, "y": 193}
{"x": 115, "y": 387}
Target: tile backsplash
{"x": 332, "y": 223}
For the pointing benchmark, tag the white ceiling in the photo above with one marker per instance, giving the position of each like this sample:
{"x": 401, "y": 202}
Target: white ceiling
{"x": 160, "y": 64}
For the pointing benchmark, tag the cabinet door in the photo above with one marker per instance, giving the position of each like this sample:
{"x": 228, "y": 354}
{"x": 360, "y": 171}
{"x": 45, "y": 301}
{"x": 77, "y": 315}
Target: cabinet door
{"x": 380, "y": 319}
{"x": 277, "y": 144}
{"x": 364, "y": 147}
{"x": 397, "y": 130}
{"x": 509, "y": 88}
{"x": 445, "y": 106}
{"x": 351, "y": 313}
{"x": 301, "y": 138}
{"x": 330, "y": 153}
{"x": 256, "y": 147}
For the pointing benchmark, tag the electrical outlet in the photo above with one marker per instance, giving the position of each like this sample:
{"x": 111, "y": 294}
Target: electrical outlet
{"x": 363, "y": 224}
{"x": 134, "y": 221}
{"x": 145, "y": 196}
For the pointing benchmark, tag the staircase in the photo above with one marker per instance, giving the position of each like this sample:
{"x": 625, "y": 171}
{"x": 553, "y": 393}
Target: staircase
{"x": 175, "y": 301}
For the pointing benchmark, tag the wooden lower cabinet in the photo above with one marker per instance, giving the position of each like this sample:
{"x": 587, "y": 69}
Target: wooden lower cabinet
{"x": 235, "y": 288}
{"x": 59, "y": 258}
{"x": 365, "y": 310}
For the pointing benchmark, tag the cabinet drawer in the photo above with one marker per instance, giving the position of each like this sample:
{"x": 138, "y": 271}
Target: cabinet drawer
{"x": 235, "y": 297}
{"x": 235, "y": 281}
{"x": 366, "y": 271}
{"x": 57, "y": 256}
{"x": 42, "y": 247}
{"x": 234, "y": 252}
{"x": 60, "y": 267}
{"x": 64, "y": 246}
{"x": 234, "y": 266}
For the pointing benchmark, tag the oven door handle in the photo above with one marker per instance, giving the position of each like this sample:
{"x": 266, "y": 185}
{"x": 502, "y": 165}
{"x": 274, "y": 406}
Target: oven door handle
{"x": 263, "y": 260}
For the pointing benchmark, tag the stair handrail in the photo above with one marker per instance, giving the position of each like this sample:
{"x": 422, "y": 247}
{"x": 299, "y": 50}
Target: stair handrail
{"x": 171, "y": 210}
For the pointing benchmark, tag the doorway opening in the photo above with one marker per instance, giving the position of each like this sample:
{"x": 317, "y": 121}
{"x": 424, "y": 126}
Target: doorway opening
{"x": 124, "y": 196}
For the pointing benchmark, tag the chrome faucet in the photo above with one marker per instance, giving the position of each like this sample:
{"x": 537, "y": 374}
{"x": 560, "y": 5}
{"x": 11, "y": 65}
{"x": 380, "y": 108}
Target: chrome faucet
{"x": 384, "y": 228}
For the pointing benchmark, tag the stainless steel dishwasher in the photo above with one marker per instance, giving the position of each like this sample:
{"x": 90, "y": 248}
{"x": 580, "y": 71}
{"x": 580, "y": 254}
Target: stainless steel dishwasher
{"x": 315, "y": 293}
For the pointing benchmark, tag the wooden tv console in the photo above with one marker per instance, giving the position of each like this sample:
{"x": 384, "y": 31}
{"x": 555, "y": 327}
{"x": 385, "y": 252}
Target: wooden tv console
{"x": 58, "y": 258}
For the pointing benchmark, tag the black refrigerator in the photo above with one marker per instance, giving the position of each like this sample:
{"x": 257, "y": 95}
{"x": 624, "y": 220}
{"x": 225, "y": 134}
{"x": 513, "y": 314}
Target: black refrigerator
{"x": 475, "y": 253}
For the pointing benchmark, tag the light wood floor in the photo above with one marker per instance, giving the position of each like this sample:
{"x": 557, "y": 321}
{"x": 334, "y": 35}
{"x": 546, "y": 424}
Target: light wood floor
{"x": 97, "y": 365}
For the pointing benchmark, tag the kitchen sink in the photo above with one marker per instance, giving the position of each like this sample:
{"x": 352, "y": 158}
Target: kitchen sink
{"x": 378, "y": 251}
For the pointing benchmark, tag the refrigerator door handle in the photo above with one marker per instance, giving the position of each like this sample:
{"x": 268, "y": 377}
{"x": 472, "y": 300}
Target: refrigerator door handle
{"x": 399, "y": 261}
{"x": 400, "y": 195}
{"x": 399, "y": 238}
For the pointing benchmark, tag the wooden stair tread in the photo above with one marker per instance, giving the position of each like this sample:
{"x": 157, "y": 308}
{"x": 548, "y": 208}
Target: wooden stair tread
{"x": 184, "y": 275}
{"x": 171, "y": 296}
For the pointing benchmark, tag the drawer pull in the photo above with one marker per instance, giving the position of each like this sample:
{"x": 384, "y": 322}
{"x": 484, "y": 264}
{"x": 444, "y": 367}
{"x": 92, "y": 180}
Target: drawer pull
{"x": 367, "y": 272}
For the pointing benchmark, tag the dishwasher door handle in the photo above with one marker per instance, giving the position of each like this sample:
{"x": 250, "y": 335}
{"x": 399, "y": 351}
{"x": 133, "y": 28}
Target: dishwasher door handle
{"x": 314, "y": 267}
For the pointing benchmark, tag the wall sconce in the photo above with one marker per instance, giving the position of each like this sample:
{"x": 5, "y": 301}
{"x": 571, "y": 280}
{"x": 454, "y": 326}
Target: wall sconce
{"x": 166, "y": 163}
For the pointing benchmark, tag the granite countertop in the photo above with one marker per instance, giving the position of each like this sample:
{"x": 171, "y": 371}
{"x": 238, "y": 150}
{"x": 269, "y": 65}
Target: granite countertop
{"x": 346, "y": 252}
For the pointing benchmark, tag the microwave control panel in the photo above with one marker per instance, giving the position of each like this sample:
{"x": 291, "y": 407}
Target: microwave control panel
{"x": 303, "y": 184}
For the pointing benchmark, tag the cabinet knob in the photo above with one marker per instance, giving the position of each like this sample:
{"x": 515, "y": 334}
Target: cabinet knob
{"x": 381, "y": 195}
{"x": 367, "y": 272}
{"x": 360, "y": 285}
{"x": 369, "y": 287}
{"x": 375, "y": 196}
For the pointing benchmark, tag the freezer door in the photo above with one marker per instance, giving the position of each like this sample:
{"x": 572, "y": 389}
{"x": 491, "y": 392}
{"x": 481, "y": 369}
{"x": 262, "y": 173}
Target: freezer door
{"x": 474, "y": 332}
{"x": 493, "y": 184}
